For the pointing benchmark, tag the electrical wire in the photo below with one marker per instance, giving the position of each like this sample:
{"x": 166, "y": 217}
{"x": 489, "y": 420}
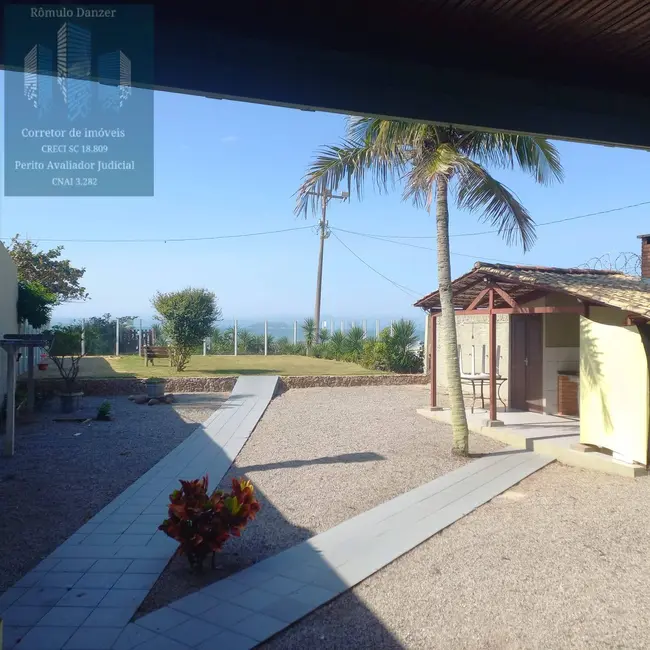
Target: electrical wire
{"x": 424, "y": 248}
{"x": 490, "y": 232}
{"x": 163, "y": 241}
{"x": 401, "y": 287}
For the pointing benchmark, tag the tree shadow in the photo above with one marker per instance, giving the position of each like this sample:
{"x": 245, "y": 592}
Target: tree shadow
{"x": 361, "y": 457}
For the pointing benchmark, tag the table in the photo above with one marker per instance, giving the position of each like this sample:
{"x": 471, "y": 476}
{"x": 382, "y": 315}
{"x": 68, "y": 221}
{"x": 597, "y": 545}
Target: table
{"x": 481, "y": 380}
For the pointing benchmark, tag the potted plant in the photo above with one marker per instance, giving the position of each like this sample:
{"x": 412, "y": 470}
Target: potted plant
{"x": 155, "y": 387}
{"x": 65, "y": 352}
{"x": 42, "y": 364}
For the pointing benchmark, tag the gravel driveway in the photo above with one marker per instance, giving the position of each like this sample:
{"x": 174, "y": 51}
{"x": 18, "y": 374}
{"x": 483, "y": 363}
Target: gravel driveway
{"x": 318, "y": 457}
{"x": 561, "y": 560}
{"x": 57, "y": 480}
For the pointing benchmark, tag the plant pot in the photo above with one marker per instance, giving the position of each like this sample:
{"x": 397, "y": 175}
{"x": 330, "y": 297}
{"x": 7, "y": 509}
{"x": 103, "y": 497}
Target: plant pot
{"x": 42, "y": 366}
{"x": 70, "y": 402}
{"x": 155, "y": 389}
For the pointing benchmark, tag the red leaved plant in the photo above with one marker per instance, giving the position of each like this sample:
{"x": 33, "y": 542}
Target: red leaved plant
{"x": 202, "y": 523}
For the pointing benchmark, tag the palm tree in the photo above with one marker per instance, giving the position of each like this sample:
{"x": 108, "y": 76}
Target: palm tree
{"x": 324, "y": 335}
{"x": 337, "y": 345}
{"x": 354, "y": 342}
{"x": 430, "y": 162}
{"x": 309, "y": 330}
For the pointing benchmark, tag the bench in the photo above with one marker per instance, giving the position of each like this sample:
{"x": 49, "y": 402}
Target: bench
{"x": 152, "y": 352}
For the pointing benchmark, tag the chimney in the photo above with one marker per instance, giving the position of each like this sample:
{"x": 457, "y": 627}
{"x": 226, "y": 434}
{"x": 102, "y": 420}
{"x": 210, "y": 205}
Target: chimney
{"x": 645, "y": 256}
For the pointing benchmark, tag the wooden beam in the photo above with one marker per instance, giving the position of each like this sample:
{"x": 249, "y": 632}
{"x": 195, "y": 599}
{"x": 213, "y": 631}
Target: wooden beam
{"x": 493, "y": 355}
{"x": 478, "y": 299}
{"x": 506, "y": 297}
{"x": 432, "y": 361}
{"x": 521, "y": 310}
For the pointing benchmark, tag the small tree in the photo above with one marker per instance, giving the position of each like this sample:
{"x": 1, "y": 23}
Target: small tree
{"x": 34, "y": 304}
{"x": 65, "y": 352}
{"x": 187, "y": 317}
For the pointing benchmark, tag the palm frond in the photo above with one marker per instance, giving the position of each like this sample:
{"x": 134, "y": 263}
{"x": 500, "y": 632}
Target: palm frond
{"x": 534, "y": 154}
{"x": 478, "y": 191}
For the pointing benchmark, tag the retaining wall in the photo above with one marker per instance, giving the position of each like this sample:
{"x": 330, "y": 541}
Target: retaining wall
{"x": 226, "y": 384}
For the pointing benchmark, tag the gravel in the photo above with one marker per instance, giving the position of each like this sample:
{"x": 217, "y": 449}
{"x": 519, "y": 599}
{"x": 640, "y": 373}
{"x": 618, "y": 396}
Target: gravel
{"x": 318, "y": 457}
{"x": 57, "y": 479}
{"x": 561, "y": 560}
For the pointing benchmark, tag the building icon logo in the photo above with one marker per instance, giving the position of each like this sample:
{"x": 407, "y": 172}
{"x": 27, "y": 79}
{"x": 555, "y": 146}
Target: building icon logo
{"x": 74, "y": 75}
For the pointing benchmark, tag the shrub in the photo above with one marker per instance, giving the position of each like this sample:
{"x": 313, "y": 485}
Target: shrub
{"x": 104, "y": 411}
{"x": 188, "y": 317}
{"x": 34, "y": 304}
{"x": 202, "y": 523}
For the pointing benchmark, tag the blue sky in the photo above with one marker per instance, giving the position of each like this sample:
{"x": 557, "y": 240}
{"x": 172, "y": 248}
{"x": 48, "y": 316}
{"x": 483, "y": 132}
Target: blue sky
{"x": 228, "y": 168}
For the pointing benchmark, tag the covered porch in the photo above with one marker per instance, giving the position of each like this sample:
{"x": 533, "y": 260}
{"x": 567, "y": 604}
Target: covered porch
{"x": 542, "y": 315}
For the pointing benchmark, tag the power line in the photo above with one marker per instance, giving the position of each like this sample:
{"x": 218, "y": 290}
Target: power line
{"x": 159, "y": 241}
{"x": 490, "y": 232}
{"x": 401, "y": 287}
{"x": 424, "y": 248}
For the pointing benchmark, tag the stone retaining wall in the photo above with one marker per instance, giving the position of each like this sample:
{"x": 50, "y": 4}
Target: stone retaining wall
{"x": 225, "y": 384}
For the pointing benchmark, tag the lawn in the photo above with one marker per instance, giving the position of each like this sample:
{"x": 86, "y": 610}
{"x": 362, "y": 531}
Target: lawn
{"x": 208, "y": 366}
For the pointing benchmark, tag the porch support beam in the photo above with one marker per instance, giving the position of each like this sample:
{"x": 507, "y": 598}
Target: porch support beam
{"x": 493, "y": 355}
{"x": 477, "y": 301}
{"x": 506, "y": 297}
{"x": 433, "y": 347}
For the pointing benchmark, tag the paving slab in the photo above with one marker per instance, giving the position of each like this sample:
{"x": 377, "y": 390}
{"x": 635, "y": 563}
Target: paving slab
{"x": 257, "y": 603}
{"x": 84, "y": 594}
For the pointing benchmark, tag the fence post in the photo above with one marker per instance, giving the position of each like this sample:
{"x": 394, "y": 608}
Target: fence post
{"x": 205, "y": 347}
{"x": 83, "y": 336}
{"x": 235, "y": 336}
{"x": 295, "y": 332}
{"x": 377, "y": 330}
{"x": 266, "y": 338}
{"x": 365, "y": 328}
{"x": 392, "y": 328}
{"x": 342, "y": 327}
{"x": 353, "y": 324}
{"x": 117, "y": 337}
{"x": 140, "y": 339}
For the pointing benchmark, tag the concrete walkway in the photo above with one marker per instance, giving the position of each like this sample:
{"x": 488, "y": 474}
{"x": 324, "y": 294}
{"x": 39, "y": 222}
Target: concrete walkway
{"x": 85, "y": 593}
{"x": 251, "y": 606}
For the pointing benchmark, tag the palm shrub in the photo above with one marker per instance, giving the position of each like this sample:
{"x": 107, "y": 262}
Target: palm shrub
{"x": 336, "y": 346}
{"x": 353, "y": 346}
{"x": 324, "y": 335}
{"x": 432, "y": 162}
{"x": 245, "y": 342}
{"x": 281, "y": 346}
{"x": 309, "y": 331}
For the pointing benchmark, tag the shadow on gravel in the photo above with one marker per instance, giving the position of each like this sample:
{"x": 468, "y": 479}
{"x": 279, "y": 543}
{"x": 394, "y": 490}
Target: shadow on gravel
{"x": 361, "y": 457}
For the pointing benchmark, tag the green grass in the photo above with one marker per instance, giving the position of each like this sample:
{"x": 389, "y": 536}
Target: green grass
{"x": 210, "y": 366}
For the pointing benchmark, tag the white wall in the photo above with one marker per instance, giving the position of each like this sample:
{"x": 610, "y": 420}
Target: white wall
{"x": 8, "y": 316}
{"x": 473, "y": 331}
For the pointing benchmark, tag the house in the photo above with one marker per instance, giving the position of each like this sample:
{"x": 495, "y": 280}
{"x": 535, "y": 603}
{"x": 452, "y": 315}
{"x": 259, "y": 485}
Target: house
{"x": 546, "y": 340}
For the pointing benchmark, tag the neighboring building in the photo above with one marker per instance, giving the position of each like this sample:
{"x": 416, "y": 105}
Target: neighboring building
{"x": 8, "y": 315}
{"x": 536, "y": 314}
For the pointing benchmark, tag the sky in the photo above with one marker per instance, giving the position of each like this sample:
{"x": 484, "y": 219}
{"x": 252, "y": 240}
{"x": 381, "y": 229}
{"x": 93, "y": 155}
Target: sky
{"x": 231, "y": 168}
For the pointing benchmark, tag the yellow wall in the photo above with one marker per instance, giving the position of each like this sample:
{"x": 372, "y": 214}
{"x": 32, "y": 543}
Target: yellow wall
{"x": 608, "y": 315}
{"x": 614, "y": 401}
{"x": 8, "y": 318}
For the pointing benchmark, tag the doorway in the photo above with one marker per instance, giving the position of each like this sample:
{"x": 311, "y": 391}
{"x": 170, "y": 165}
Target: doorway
{"x": 526, "y": 362}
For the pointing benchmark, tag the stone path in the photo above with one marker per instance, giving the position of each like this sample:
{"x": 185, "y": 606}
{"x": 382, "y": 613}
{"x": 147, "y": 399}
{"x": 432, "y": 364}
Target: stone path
{"x": 243, "y": 610}
{"x": 85, "y": 593}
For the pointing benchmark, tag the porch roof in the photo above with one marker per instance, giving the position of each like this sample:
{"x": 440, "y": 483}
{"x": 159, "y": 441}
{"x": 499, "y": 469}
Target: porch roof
{"x": 522, "y": 283}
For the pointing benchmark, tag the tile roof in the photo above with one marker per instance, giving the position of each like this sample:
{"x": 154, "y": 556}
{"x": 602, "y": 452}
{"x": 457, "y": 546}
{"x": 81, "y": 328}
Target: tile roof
{"x": 612, "y": 288}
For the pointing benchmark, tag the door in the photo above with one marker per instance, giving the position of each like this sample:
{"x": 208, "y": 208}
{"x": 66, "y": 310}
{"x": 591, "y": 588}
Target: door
{"x": 526, "y": 362}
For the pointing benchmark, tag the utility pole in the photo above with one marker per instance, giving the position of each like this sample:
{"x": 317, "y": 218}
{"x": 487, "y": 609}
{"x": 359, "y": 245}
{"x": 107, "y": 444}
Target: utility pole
{"x": 326, "y": 196}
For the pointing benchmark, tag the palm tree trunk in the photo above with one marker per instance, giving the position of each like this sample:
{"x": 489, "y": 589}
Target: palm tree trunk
{"x": 448, "y": 322}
